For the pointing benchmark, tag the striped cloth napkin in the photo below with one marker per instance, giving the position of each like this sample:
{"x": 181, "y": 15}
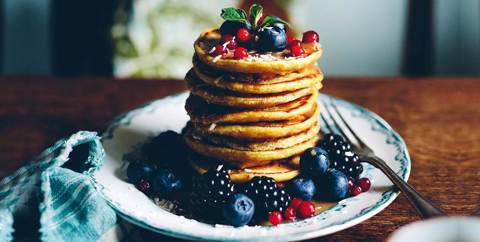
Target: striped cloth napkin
{"x": 53, "y": 197}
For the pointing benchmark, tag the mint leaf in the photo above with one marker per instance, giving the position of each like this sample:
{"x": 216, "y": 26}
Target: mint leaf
{"x": 235, "y": 15}
{"x": 256, "y": 12}
{"x": 270, "y": 20}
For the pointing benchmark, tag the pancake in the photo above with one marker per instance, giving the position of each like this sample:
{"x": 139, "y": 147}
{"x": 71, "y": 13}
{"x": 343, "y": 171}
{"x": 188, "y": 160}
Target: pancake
{"x": 290, "y": 82}
{"x": 228, "y": 98}
{"x": 244, "y": 158}
{"x": 280, "y": 171}
{"x": 261, "y": 130}
{"x": 252, "y": 78}
{"x": 259, "y": 78}
{"x": 266, "y": 145}
{"x": 266, "y": 63}
{"x": 204, "y": 113}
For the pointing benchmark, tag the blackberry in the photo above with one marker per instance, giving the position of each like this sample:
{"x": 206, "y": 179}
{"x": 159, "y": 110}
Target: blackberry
{"x": 355, "y": 170}
{"x": 210, "y": 191}
{"x": 267, "y": 196}
{"x": 166, "y": 150}
{"x": 341, "y": 155}
{"x": 343, "y": 158}
{"x": 333, "y": 141}
{"x": 337, "y": 147}
{"x": 347, "y": 157}
{"x": 350, "y": 165}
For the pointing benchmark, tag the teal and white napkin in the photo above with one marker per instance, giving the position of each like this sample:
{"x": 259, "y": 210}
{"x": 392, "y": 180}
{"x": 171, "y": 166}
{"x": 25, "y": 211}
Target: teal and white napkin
{"x": 54, "y": 197}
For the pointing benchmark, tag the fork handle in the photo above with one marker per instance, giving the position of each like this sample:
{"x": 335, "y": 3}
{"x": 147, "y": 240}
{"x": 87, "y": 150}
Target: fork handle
{"x": 424, "y": 207}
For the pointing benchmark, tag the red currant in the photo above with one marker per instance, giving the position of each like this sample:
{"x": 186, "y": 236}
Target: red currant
{"x": 230, "y": 40}
{"x": 290, "y": 213}
{"x": 275, "y": 218}
{"x": 310, "y": 36}
{"x": 243, "y": 35}
{"x": 290, "y": 39}
{"x": 295, "y": 203}
{"x": 365, "y": 184}
{"x": 297, "y": 50}
{"x": 351, "y": 184}
{"x": 219, "y": 50}
{"x": 306, "y": 209}
{"x": 356, "y": 191}
{"x": 295, "y": 43}
{"x": 143, "y": 186}
{"x": 240, "y": 53}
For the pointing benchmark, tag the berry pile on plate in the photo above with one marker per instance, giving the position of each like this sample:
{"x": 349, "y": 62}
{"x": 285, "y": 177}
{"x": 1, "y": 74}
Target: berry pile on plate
{"x": 334, "y": 168}
{"x": 329, "y": 172}
{"x": 257, "y": 33}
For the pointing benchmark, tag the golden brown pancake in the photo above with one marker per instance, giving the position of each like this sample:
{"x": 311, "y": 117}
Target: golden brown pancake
{"x": 290, "y": 82}
{"x": 279, "y": 170}
{"x": 243, "y": 158}
{"x": 272, "y": 144}
{"x": 228, "y": 98}
{"x": 261, "y": 130}
{"x": 253, "y": 78}
{"x": 204, "y": 113}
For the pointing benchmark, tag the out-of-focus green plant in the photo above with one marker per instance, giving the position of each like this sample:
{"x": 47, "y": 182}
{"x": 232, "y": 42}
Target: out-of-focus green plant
{"x": 154, "y": 38}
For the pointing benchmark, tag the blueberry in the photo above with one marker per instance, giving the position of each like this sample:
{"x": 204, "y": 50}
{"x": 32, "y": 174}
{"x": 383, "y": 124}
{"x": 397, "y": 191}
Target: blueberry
{"x": 238, "y": 210}
{"x": 166, "y": 182}
{"x": 231, "y": 27}
{"x": 314, "y": 162}
{"x": 334, "y": 186}
{"x": 271, "y": 39}
{"x": 279, "y": 26}
{"x": 137, "y": 171}
{"x": 301, "y": 187}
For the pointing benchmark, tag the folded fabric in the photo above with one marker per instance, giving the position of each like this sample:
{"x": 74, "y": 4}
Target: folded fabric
{"x": 55, "y": 196}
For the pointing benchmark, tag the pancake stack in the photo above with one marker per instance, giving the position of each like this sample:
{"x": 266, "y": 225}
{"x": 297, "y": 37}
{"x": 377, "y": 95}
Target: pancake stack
{"x": 255, "y": 115}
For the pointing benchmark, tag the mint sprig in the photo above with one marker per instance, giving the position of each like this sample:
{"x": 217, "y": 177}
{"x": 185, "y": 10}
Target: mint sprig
{"x": 235, "y": 15}
{"x": 255, "y": 14}
{"x": 271, "y": 20}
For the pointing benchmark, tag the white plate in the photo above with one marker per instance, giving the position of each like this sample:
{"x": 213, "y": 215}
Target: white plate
{"x": 168, "y": 114}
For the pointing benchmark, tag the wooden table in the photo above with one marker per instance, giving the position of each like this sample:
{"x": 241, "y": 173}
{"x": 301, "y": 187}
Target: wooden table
{"x": 439, "y": 118}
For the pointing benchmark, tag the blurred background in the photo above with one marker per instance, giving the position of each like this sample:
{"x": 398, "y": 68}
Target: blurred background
{"x": 153, "y": 38}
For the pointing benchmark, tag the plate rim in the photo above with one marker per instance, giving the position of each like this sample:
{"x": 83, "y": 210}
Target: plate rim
{"x": 387, "y": 197}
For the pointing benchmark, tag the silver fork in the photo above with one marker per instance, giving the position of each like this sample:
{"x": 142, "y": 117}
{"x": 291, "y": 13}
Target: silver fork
{"x": 424, "y": 207}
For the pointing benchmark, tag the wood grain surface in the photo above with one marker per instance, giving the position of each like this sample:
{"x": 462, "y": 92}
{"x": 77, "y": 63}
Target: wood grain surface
{"x": 439, "y": 118}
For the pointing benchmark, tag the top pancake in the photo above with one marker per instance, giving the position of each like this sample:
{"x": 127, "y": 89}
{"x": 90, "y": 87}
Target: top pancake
{"x": 253, "y": 78}
{"x": 256, "y": 63}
